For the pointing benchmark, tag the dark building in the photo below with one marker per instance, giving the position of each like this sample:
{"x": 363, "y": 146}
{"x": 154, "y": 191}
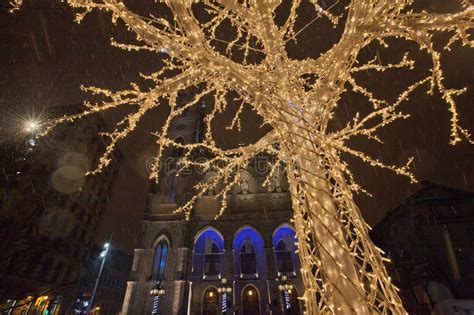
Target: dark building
{"x": 50, "y": 211}
{"x": 251, "y": 246}
{"x": 430, "y": 240}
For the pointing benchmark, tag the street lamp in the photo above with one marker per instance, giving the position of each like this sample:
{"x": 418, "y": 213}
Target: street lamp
{"x": 224, "y": 289}
{"x": 31, "y": 126}
{"x": 103, "y": 255}
{"x": 285, "y": 288}
{"x": 157, "y": 292}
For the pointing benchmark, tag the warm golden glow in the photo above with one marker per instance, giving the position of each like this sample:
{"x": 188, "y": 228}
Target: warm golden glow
{"x": 339, "y": 263}
{"x": 31, "y": 126}
{"x": 211, "y": 294}
{"x": 250, "y": 292}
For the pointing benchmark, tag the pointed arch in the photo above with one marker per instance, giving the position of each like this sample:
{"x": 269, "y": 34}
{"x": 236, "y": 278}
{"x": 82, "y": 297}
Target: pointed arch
{"x": 208, "y": 253}
{"x": 164, "y": 235}
{"x": 248, "y": 231}
{"x": 245, "y": 182}
{"x": 211, "y": 232}
{"x": 250, "y": 299}
{"x": 249, "y": 252}
{"x": 210, "y": 301}
{"x": 281, "y": 231}
{"x": 208, "y": 176}
{"x": 283, "y": 241}
{"x": 160, "y": 257}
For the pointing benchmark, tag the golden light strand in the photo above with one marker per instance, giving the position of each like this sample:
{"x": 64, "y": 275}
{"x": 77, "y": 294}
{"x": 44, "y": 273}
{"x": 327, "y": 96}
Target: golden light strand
{"x": 343, "y": 271}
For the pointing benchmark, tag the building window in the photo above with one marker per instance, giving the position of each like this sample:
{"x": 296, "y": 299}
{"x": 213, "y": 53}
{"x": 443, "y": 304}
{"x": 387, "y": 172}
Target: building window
{"x": 284, "y": 239}
{"x": 250, "y": 301}
{"x": 212, "y": 260}
{"x": 283, "y": 257}
{"x": 248, "y": 259}
{"x": 173, "y": 187}
{"x": 208, "y": 252}
{"x": 210, "y": 302}
{"x": 249, "y": 253}
{"x": 159, "y": 263}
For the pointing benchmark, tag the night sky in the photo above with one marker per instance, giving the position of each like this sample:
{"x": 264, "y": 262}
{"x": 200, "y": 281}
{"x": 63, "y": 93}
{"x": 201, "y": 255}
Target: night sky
{"x": 46, "y": 57}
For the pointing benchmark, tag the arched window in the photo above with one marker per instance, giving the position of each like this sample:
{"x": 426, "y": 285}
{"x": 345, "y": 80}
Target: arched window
{"x": 250, "y": 301}
{"x": 159, "y": 262}
{"x": 210, "y": 302}
{"x": 283, "y": 257}
{"x": 212, "y": 259}
{"x": 172, "y": 170}
{"x": 284, "y": 239}
{"x": 248, "y": 258}
{"x": 249, "y": 253}
{"x": 208, "y": 253}
{"x": 173, "y": 187}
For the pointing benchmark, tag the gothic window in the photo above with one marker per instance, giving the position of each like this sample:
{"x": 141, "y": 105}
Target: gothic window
{"x": 248, "y": 259}
{"x": 284, "y": 239}
{"x": 210, "y": 302}
{"x": 249, "y": 253}
{"x": 283, "y": 257}
{"x": 173, "y": 187}
{"x": 159, "y": 263}
{"x": 171, "y": 169}
{"x": 208, "y": 253}
{"x": 212, "y": 259}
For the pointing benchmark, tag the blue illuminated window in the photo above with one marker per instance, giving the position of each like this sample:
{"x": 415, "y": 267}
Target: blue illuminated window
{"x": 283, "y": 257}
{"x": 284, "y": 239}
{"x": 159, "y": 264}
{"x": 208, "y": 253}
{"x": 248, "y": 259}
{"x": 212, "y": 261}
{"x": 248, "y": 252}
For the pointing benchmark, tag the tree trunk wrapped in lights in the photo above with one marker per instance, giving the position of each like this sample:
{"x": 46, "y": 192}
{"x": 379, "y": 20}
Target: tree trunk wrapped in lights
{"x": 342, "y": 270}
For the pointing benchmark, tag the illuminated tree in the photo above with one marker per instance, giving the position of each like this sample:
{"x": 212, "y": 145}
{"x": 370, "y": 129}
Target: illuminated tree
{"x": 342, "y": 270}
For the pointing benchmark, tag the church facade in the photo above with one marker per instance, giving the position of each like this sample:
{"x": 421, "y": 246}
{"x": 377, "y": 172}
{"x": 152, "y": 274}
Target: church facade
{"x": 244, "y": 262}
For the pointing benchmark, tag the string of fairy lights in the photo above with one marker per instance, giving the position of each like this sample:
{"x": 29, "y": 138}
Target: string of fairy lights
{"x": 343, "y": 271}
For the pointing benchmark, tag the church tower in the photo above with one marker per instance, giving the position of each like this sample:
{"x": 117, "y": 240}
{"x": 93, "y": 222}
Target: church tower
{"x": 236, "y": 264}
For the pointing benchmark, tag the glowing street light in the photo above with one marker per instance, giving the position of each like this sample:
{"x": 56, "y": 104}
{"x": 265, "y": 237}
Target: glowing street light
{"x": 103, "y": 255}
{"x": 157, "y": 292}
{"x": 224, "y": 289}
{"x": 285, "y": 288}
{"x": 285, "y": 285}
{"x": 31, "y": 126}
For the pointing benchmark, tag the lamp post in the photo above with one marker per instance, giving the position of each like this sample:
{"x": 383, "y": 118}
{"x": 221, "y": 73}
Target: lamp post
{"x": 157, "y": 292}
{"x": 103, "y": 255}
{"x": 31, "y": 128}
{"x": 285, "y": 287}
{"x": 223, "y": 290}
